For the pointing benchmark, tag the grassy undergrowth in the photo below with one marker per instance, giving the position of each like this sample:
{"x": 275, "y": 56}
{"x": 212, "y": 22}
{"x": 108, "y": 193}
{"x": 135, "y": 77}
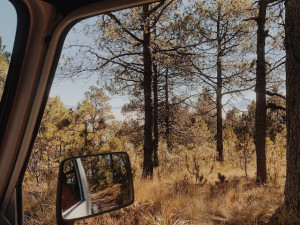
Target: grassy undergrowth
{"x": 225, "y": 199}
{"x": 189, "y": 187}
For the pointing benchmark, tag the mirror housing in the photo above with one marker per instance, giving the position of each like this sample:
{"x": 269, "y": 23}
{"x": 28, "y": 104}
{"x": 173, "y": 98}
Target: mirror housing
{"x": 92, "y": 185}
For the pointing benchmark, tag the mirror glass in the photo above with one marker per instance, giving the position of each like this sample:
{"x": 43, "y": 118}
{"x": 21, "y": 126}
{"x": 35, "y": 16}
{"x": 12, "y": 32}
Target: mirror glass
{"x": 94, "y": 184}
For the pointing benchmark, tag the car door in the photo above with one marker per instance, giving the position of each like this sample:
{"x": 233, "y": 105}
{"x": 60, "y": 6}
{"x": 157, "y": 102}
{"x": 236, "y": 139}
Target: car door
{"x": 42, "y": 27}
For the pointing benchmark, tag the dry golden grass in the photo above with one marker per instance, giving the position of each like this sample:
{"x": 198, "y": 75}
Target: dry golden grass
{"x": 39, "y": 203}
{"x": 178, "y": 200}
{"x": 223, "y": 196}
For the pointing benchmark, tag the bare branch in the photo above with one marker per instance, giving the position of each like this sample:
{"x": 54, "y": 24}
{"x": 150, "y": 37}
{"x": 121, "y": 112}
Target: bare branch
{"x": 117, "y": 21}
{"x": 275, "y": 94}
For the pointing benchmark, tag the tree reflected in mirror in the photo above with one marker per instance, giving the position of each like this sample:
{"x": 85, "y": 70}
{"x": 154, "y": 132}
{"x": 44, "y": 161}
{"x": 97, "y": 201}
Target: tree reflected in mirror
{"x": 95, "y": 184}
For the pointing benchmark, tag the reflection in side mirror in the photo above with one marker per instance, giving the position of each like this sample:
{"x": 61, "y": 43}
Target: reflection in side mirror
{"x": 92, "y": 185}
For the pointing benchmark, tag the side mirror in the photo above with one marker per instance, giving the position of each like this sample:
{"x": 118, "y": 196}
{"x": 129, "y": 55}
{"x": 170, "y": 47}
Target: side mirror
{"x": 92, "y": 185}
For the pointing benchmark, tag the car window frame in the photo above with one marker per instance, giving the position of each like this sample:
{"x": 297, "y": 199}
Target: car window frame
{"x": 11, "y": 197}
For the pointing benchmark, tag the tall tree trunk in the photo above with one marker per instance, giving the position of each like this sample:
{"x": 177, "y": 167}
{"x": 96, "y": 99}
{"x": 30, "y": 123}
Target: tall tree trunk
{"x": 167, "y": 113}
{"x": 220, "y": 156}
{"x": 260, "y": 89}
{"x": 155, "y": 117}
{"x": 85, "y": 133}
{"x": 292, "y": 42}
{"x": 148, "y": 140}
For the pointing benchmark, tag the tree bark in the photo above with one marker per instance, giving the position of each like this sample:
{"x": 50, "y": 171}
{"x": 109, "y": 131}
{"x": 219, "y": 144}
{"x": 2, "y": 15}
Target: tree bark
{"x": 260, "y": 89}
{"x": 167, "y": 113}
{"x": 220, "y": 156}
{"x": 148, "y": 139}
{"x": 292, "y": 42}
{"x": 155, "y": 117}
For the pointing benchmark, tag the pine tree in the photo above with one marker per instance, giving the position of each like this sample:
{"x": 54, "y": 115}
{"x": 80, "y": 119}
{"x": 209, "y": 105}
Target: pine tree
{"x": 292, "y": 33}
{"x": 224, "y": 37}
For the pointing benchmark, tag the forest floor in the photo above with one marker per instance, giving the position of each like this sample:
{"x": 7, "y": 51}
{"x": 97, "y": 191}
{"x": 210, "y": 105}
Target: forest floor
{"x": 226, "y": 197}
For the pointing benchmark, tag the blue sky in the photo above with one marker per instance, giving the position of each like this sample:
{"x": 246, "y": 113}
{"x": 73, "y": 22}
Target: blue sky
{"x": 8, "y": 23}
{"x": 70, "y": 92}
